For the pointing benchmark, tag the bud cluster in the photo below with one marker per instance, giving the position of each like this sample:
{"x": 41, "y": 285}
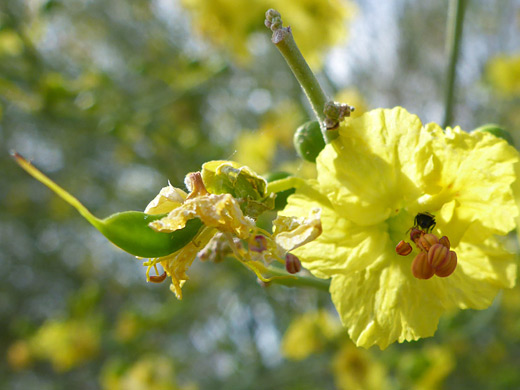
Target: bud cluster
{"x": 434, "y": 257}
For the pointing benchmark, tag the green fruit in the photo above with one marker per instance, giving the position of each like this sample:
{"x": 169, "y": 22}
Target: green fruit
{"x": 497, "y": 131}
{"x": 308, "y": 141}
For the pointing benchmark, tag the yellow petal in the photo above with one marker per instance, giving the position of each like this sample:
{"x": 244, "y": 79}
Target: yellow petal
{"x": 168, "y": 199}
{"x": 291, "y": 232}
{"x": 178, "y": 263}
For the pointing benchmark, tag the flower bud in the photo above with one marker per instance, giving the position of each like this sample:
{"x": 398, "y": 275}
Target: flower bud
{"x": 292, "y": 263}
{"x": 426, "y": 241}
{"x": 445, "y": 241}
{"x": 438, "y": 256}
{"x": 421, "y": 269}
{"x": 449, "y": 266}
{"x": 308, "y": 141}
{"x": 403, "y": 248}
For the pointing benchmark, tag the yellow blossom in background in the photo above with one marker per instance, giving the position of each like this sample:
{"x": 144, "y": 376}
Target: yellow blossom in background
{"x": 10, "y": 43}
{"x": 503, "y": 73}
{"x": 309, "y": 333}
{"x": 151, "y": 372}
{"x": 127, "y": 327}
{"x": 67, "y": 344}
{"x": 318, "y": 24}
{"x": 256, "y": 150}
{"x": 357, "y": 369}
{"x": 259, "y": 149}
{"x": 383, "y": 169}
{"x": 438, "y": 363}
{"x": 352, "y": 97}
{"x": 19, "y": 355}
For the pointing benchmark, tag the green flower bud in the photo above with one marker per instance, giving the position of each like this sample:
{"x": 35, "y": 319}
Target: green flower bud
{"x": 497, "y": 131}
{"x": 308, "y": 141}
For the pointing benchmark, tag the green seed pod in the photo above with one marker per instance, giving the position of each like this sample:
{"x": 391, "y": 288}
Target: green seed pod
{"x": 281, "y": 197}
{"x": 497, "y": 131}
{"x": 128, "y": 230}
{"x": 308, "y": 141}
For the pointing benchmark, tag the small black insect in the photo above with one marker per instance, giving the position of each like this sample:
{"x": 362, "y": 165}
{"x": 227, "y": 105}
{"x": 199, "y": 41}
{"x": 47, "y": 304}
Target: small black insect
{"x": 425, "y": 221}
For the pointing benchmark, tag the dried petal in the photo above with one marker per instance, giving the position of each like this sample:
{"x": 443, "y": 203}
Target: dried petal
{"x": 291, "y": 233}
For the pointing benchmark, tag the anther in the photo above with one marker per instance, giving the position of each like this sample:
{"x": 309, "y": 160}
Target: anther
{"x": 292, "y": 263}
{"x": 258, "y": 244}
{"x": 437, "y": 256}
{"x": 157, "y": 278}
{"x": 445, "y": 241}
{"x": 415, "y": 234}
{"x": 421, "y": 269}
{"x": 426, "y": 241}
{"x": 449, "y": 266}
{"x": 403, "y": 248}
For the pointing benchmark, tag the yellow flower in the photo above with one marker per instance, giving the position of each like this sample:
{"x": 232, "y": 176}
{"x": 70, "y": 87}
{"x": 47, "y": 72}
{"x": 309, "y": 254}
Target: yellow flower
{"x": 357, "y": 369}
{"x": 503, "y": 73}
{"x": 147, "y": 373}
{"x": 67, "y": 344}
{"x": 225, "y": 197}
{"x": 309, "y": 333}
{"x": 318, "y": 24}
{"x": 384, "y": 169}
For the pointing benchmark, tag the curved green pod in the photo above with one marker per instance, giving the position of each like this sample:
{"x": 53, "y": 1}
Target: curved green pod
{"x": 128, "y": 230}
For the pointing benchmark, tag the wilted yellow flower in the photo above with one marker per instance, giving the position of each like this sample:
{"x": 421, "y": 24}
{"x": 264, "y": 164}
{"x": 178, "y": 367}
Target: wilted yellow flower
{"x": 318, "y": 24}
{"x": 225, "y": 197}
{"x": 373, "y": 180}
{"x": 67, "y": 344}
{"x": 309, "y": 333}
{"x": 357, "y": 369}
{"x": 503, "y": 73}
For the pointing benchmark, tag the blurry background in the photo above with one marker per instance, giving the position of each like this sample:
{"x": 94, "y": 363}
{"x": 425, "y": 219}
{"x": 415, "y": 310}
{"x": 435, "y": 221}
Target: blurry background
{"x": 114, "y": 98}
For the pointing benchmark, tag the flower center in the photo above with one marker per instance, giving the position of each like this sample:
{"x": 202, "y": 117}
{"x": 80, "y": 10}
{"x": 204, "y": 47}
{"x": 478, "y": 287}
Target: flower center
{"x": 435, "y": 256}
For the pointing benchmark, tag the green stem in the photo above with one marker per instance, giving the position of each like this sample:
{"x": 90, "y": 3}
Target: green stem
{"x": 454, "y": 35}
{"x": 298, "y": 281}
{"x": 284, "y": 42}
{"x": 285, "y": 184}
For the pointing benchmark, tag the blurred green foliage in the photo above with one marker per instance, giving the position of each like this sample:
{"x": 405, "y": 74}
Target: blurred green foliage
{"x": 112, "y": 100}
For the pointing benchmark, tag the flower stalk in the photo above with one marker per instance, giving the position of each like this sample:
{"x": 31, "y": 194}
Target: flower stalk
{"x": 290, "y": 280}
{"x": 284, "y": 42}
{"x": 454, "y": 35}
